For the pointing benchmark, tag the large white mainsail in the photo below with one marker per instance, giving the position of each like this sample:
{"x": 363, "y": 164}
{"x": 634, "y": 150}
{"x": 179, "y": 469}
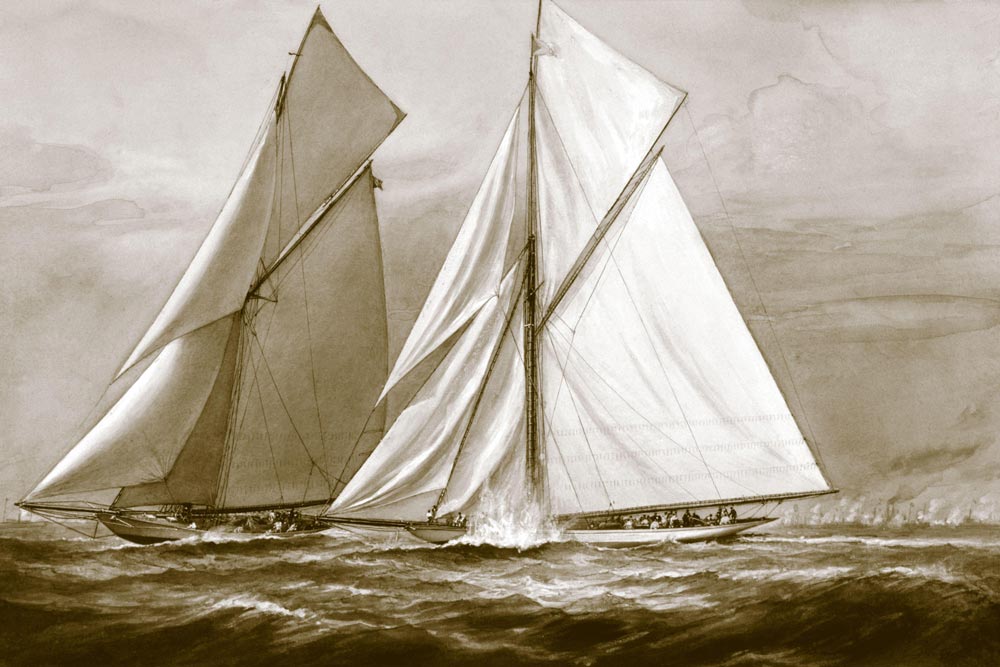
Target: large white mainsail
{"x": 651, "y": 391}
{"x": 275, "y": 338}
{"x": 655, "y": 392}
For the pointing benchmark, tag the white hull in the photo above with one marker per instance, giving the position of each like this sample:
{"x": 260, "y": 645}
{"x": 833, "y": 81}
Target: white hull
{"x": 436, "y": 534}
{"x": 630, "y": 537}
{"x": 379, "y": 532}
{"x": 154, "y": 531}
{"x": 618, "y": 537}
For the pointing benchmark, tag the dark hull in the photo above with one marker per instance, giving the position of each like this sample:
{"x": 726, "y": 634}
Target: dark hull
{"x": 145, "y": 531}
{"x": 155, "y": 531}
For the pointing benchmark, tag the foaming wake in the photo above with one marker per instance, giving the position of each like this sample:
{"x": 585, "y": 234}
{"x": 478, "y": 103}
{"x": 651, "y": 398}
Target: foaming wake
{"x": 501, "y": 523}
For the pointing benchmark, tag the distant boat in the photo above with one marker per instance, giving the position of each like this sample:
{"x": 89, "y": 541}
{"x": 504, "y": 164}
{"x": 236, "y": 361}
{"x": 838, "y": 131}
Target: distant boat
{"x": 270, "y": 352}
{"x": 599, "y": 370}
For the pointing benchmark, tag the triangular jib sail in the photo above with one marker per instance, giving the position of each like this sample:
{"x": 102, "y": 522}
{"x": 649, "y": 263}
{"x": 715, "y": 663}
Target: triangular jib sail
{"x": 644, "y": 383}
{"x": 271, "y": 350}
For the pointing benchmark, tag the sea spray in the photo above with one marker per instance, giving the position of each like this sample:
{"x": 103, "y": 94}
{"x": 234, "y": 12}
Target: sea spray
{"x": 893, "y": 513}
{"x": 837, "y": 596}
{"x": 507, "y": 522}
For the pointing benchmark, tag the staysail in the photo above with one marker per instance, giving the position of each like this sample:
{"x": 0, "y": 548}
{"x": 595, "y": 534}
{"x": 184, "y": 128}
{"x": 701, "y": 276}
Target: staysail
{"x": 472, "y": 269}
{"x": 272, "y": 348}
{"x": 413, "y": 463}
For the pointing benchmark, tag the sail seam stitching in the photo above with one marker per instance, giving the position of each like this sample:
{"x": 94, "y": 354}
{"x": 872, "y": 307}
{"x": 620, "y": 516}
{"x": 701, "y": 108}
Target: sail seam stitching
{"x": 635, "y": 442}
{"x": 760, "y": 300}
{"x": 288, "y": 413}
{"x": 599, "y": 376}
{"x": 663, "y": 369}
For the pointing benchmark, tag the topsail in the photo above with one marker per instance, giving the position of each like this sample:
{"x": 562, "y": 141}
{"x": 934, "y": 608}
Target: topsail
{"x": 271, "y": 350}
{"x": 650, "y": 392}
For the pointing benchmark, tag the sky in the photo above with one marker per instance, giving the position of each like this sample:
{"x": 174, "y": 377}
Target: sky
{"x": 840, "y": 160}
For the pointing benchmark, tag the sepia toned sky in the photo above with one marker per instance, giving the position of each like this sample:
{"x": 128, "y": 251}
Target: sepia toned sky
{"x": 850, "y": 148}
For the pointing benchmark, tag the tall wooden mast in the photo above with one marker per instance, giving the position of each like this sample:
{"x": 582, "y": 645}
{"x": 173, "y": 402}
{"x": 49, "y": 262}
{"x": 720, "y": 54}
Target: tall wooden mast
{"x": 532, "y": 397}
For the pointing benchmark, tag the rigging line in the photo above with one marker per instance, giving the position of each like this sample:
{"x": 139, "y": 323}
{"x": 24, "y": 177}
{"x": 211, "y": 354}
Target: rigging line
{"x": 222, "y": 477}
{"x": 305, "y": 302}
{"x": 639, "y": 447}
{"x": 652, "y": 155}
{"x": 583, "y": 430}
{"x": 663, "y": 369}
{"x": 254, "y": 365}
{"x": 258, "y": 135}
{"x": 284, "y": 406}
{"x": 494, "y": 357}
{"x": 267, "y": 433}
{"x": 760, "y": 299}
{"x": 339, "y": 479}
{"x": 576, "y": 174}
{"x": 657, "y": 429}
{"x": 242, "y": 393}
{"x": 282, "y": 133}
{"x": 590, "y": 297}
{"x": 686, "y": 450}
{"x": 312, "y": 373}
{"x": 555, "y": 442}
{"x": 291, "y": 159}
{"x": 409, "y": 402}
{"x": 562, "y": 379}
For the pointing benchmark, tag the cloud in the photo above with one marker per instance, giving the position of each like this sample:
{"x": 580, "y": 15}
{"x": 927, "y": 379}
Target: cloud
{"x": 807, "y": 149}
{"x": 104, "y": 211}
{"x": 27, "y": 164}
{"x": 895, "y": 318}
{"x": 931, "y": 459}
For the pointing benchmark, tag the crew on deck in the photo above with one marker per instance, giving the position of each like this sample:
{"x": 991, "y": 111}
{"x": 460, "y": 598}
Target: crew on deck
{"x": 721, "y": 517}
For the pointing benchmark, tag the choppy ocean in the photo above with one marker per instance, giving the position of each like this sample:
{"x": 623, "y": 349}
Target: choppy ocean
{"x": 790, "y": 596}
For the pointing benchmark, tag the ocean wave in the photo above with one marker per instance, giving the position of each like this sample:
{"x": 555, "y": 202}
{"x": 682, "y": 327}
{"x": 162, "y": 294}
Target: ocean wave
{"x": 825, "y": 599}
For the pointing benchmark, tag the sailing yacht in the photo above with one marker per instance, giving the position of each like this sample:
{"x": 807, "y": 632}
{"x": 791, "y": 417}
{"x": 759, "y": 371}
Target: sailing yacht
{"x": 258, "y": 376}
{"x": 600, "y": 371}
